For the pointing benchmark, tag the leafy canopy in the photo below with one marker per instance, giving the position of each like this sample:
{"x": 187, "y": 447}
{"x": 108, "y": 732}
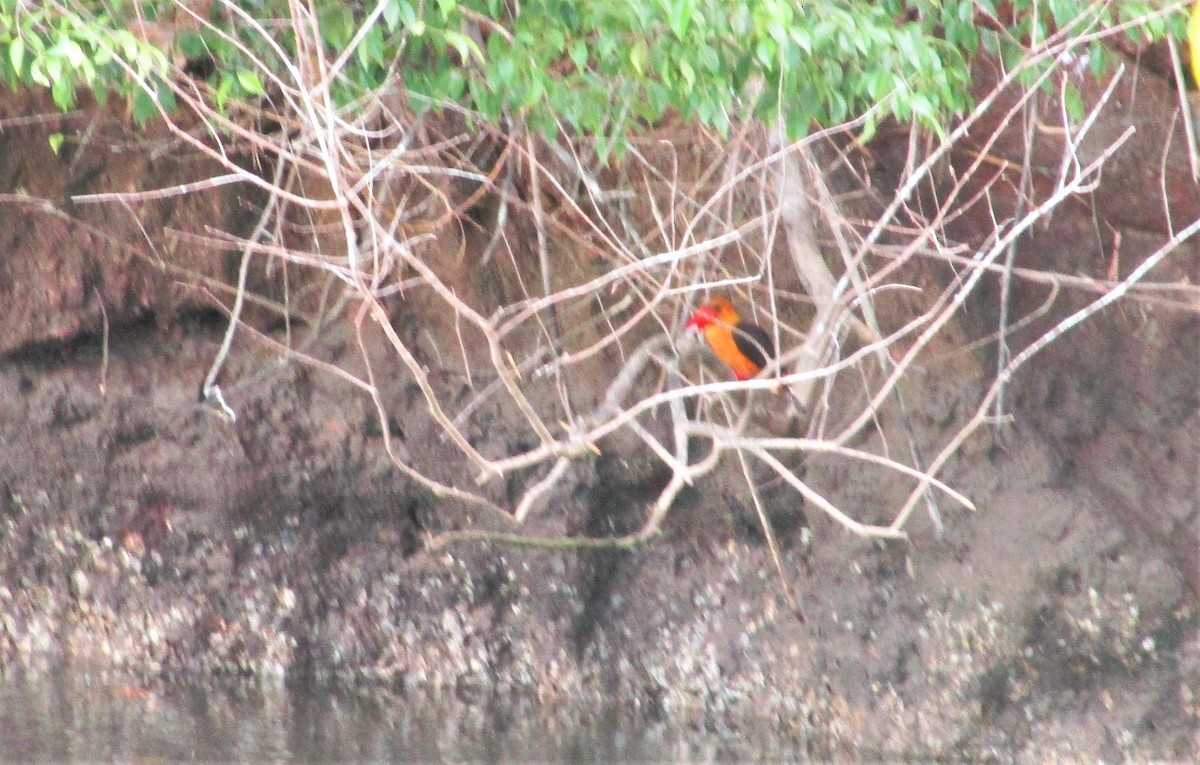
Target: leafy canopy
{"x": 601, "y": 67}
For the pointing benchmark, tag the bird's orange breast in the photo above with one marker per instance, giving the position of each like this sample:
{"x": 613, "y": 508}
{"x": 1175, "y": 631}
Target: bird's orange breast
{"x": 725, "y": 346}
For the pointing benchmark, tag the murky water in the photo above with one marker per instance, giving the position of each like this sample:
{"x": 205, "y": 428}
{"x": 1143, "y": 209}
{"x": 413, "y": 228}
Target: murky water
{"x": 73, "y": 716}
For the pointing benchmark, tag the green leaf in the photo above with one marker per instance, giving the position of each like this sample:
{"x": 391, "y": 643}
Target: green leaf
{"x": 465, "y": 46}
{"x": 1073, "y": 103}
{"x": 796, "y": 123}
{"x": 506, "y": 70}
{"x": 54, "y": 68}
{"x": 16, "y": 54}
{"x": 537, "y": 89}
{"x": 56, "y": 141}
{"x": 37, "y": 73}
{"x": 679, "y": 16}
{"x": 391, "y": 14}
{"x": 63, "y": 92}
{"x": 69, "y": 50}
{"x": 868, "y": 130}
{"x": 689, "y": 74}
{"x": 637, "y": 57}
{"x": 191, "y": 45}
{"x": 765, "y": 52}
{"x": 454, "y": 85}
{"x": 224, "y": 89}
{"x": 407, "y": 14}
{"x": 250, "y": 82}
{"x": 579, "y": 54}
{"x": 373, "y": 43}
{"x": 144, "y": 106}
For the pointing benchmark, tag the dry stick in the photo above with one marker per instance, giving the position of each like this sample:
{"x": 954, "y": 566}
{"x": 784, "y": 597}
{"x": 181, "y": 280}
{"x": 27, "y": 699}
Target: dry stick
{"x": 1137, "y": 292}
{"x": 902, "y": 195}
{"x": 499, "y": 360}
{"x": 578, "y": 444}
{"x": 621, "y": 273}
{"x": 656, "y": 446}
{"x": 620, "y": 417}
{"x": 554, "y": 329}
{"x": 508, "y": 189}
{"x": 1026, "y": 320}
{"x": 599, "y": 198}
{"x": 918, "y": 458}
{"x": 610, "y": 405}
{"x": 502, "y": 363}
{"x": 236, "y": 172}
{"x": 810, "y": 266}
{"x": 210, "y": 390}
{"x": 352, "y": 47}
{"x": 821, "y": 287}
{"x": 1059, "y": 329}
{"x": 862, "y": 289}
{"x": 422, "y": 380}
{"x": 1166, "y": 195}
{"x": 853, "y": 265}
{"x": 533, "y": 364}
{"x": 768, "y": 534}
{"x": 960, "y": 296}
{"x": 439, "y": 489}
{"x": 681, "y": 477}
{"x": 103, "y": 344}
{"x": 535, "y": 494}
{"x": 682, "y": 474}
{"x": 178, "y": 190}
{"x": 861, "y": 529}
{"x": 318, "y": 109}
{"x": 297, "y": 355}
{"x": 769, "y": 161}
{"x": 215, "y": 238}
{"x": 1189, "y": 127}
{"x": 730, "y": 440}
{"x": 612, "y": 244}
{"x": 83, "y": 144}
{"x": 1010, "y": 254}
{"x": 1024, "y": 184}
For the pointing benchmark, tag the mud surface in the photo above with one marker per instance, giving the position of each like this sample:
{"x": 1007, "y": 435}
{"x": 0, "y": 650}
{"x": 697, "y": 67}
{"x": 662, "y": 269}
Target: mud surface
{"x": 147, "y": 536}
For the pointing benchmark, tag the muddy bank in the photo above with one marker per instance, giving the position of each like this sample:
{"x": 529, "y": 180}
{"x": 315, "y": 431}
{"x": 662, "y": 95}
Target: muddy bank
{"x": 146, "y": 534}
{"x": 142, "y": 535}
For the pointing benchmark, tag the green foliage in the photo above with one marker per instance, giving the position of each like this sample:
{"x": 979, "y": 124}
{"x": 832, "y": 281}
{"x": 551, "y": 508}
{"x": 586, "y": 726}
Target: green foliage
{"x": 602, "y": 68}
{"x": 42, "y": 46}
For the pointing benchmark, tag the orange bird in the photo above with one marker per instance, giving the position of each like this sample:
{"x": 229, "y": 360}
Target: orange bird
{"x": 743, "y": 347}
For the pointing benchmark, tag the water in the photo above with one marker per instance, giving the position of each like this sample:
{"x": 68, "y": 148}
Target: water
{"x": 75, "y": 716}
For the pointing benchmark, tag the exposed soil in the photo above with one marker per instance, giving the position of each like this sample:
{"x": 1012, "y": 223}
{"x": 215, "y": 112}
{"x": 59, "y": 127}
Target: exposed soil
{"x": 146, "y": 535}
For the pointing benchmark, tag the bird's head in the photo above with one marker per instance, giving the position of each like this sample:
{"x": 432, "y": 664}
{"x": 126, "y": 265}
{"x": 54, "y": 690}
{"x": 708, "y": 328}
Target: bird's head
{"x": 716, "y": 311}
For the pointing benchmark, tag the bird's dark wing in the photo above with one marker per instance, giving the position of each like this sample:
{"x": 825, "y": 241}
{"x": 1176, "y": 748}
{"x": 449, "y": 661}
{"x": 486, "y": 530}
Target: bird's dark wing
{"x": 754, "y": 343}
